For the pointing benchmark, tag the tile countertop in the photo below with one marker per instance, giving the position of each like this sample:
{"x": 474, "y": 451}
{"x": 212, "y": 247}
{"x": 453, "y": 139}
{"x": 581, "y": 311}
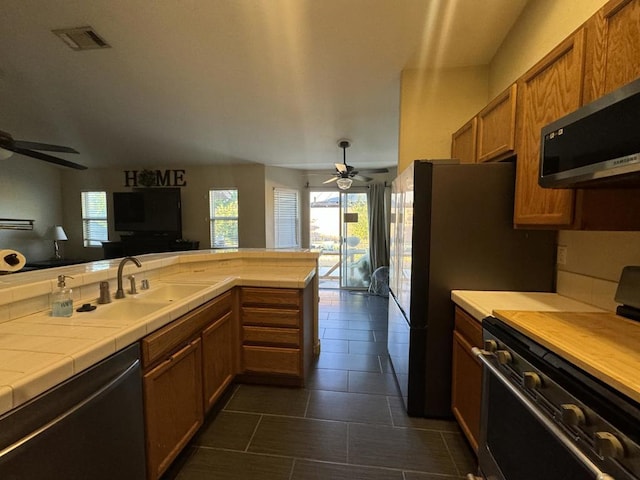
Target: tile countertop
{"x": 481, "y": 304}
{"x": 603, "y": 344}
{"x": 38, "y": 351}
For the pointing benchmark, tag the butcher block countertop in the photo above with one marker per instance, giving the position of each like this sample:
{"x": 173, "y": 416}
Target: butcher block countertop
{"x": 601, "y": 343}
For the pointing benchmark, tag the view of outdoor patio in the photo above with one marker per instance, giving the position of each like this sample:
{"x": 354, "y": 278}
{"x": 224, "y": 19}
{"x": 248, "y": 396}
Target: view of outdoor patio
{"x": 339, "y": 226}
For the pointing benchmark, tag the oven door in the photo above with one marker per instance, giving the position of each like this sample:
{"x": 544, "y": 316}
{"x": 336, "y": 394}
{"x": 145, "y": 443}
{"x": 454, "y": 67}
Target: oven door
{"x": 519, "y": 442}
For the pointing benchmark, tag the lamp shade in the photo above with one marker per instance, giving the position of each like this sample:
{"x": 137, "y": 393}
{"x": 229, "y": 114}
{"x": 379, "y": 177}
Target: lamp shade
{"x": 56, "y": 232}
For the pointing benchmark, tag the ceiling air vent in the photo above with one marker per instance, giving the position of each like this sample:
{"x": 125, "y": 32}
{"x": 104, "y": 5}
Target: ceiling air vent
{"x": 81, "y": 38}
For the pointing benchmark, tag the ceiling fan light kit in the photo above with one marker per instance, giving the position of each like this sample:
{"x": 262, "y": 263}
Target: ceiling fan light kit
{"x": 346, "y": 174}
{"x": 344, "y": 183}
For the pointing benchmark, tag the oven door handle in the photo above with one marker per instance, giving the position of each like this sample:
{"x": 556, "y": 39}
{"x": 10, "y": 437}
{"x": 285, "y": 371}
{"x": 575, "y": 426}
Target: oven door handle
{"x": 536, "y": 412}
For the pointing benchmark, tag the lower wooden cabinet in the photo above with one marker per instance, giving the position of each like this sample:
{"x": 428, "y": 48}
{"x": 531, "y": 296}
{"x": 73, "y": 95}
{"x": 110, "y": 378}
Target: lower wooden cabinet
{"x": 219, "y": 352}
{"x": 173, "y": 406}
{"x": 277, "y": 334}
{"x": 466, "y": 381}
{"x": 187, "y": 365}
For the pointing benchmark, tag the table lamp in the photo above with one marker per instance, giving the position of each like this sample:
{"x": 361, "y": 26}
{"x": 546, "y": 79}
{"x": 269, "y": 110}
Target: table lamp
{"x": 56, "y": 233}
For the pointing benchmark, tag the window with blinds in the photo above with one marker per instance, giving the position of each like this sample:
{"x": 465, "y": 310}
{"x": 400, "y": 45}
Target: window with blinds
{"x": 286, "y": 218}
{"x": 94, "y": 218}
{"x": 223, "y": 214}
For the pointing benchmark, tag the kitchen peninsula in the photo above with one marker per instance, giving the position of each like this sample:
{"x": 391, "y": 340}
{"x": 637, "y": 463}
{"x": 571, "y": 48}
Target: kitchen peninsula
{"x": 38, "y": 351}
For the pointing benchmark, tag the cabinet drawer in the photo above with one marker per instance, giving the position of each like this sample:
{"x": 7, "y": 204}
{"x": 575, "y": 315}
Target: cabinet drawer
{"x": 163, "y": 341}
{"x": 285, "y": 337}
{"x": 270, "y": 317}
{"x": 271, "y": 360}
{"x": 468, "y": 327}
{"x": 280, "y": 297}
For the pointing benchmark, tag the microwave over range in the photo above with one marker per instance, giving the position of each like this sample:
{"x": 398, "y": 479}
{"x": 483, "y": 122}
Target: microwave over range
{"x": 598, "y": 145}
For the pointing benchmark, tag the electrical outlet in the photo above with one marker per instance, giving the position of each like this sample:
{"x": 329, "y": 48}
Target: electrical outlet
{"x": 561, "y": 255}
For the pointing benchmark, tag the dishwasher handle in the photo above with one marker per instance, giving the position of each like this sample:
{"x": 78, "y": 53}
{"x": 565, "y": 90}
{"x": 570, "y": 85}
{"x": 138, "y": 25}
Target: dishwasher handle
{"x": 95, "y": 395}
{"x": 539, "y": 415}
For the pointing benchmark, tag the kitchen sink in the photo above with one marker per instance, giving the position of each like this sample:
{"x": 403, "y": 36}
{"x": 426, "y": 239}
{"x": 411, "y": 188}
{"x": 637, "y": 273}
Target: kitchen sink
{"x": 125, "y": 310}
{"x": 169, "y": 292}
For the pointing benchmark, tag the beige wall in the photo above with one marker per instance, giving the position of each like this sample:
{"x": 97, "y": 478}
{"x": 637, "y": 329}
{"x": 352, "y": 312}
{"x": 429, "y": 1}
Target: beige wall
{"x": 248, "y": 179}
{"x": 542, "y": 25}
{"x": 30, "y": 189}
{"x": 433, "y": 105}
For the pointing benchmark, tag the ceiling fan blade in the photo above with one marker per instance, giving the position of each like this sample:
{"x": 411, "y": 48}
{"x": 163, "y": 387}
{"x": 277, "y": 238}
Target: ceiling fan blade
{"x": 48, "y": 158}
{"x": 43, "y": 146}
{"x": 361, "y": 178}
{"x": 374, "y": 170}
{"x": 332, "y": 179}
{"x": 341, "y": 167}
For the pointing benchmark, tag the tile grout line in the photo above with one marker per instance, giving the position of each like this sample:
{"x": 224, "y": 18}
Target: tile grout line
{"x": 446, "y": 445}
{"x": 253, "y": 434}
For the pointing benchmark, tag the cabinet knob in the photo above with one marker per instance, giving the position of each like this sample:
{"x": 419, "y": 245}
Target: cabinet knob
{"x": 608, "y": 445}
{"x": 572, "y": 415}
{"x": 490, "y": 345}
{"x": 504, "y": 357}
{"x": 531, "y": 380}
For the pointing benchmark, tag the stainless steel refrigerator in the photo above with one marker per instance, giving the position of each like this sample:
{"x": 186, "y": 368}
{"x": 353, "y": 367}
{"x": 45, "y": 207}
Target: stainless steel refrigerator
{"x": 452, "y": 228}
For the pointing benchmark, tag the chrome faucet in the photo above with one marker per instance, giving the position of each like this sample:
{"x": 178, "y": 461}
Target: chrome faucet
{"x": 120, "y": 291}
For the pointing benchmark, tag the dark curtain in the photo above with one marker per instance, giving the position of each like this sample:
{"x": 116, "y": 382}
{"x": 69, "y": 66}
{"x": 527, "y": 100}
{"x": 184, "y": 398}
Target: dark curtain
{"x": 378, "y": 227}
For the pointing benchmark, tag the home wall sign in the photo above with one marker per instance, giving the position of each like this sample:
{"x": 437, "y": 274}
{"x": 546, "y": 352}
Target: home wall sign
{"x": 154, "y": 178}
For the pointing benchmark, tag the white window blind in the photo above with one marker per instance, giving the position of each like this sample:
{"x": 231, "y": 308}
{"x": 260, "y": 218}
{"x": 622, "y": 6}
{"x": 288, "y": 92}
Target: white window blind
{"x": 94, "y": 218}
{"x": 286, "y": 218}
{"x": 223, "y": 214}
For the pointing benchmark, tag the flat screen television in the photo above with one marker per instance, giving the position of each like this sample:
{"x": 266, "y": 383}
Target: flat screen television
{"x": 150, "y": 211}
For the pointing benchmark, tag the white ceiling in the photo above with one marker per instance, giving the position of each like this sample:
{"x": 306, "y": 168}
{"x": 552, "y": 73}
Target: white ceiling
{"x": 224, "y": 81}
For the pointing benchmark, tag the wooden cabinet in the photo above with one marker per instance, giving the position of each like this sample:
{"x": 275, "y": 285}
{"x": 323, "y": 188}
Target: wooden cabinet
{"x": 187, "y": 365}
{"x": 613, "y": 48}
{"x": 173, "y": 406}
{"x": 277, "y": 338}
{"x": 497, "y": 128}
{"x": 463, "y": 142}
{"x": 219, "y": 347}
{"x": 466, "y": 379}
{"x": 548, "y": 91}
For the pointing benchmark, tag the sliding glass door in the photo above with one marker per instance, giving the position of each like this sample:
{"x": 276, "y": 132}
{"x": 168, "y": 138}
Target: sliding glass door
{"x": 340, "y": 228}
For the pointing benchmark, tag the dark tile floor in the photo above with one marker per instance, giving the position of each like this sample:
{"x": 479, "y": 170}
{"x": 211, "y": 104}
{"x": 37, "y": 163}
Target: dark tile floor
{"x": 347, "y": 424}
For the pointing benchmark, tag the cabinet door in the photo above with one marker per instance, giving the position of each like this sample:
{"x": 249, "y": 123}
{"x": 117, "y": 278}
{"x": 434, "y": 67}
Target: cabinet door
{"x": 463, "y": 142}
{"x": 550, "y": 90}
{"x": 466, "y": 380}
{"x": 466, "y": 389}
{"x": 219, "y": 344}
{"x": 497, "y": 127}
{"x": 173, "y": 406}
{"x": 613, "y": 48}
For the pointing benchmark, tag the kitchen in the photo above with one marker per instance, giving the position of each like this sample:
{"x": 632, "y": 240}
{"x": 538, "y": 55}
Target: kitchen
{"x": 594, "y": 259}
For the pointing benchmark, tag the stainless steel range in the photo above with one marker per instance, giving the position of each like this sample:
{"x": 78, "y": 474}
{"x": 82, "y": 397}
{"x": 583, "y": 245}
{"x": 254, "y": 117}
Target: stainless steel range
{"x": 542, "y": 417}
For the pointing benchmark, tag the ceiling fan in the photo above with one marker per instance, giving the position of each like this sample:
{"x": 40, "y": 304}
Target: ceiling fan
{"x": 345, "y": 174}
{"x": 8, "y": 146}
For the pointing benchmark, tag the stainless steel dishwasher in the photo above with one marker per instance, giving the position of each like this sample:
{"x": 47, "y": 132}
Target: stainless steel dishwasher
{"x": 89, "y": 427}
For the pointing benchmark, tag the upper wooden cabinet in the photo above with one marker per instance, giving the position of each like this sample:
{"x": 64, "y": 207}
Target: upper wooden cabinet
{"x": 497, "y": 127}
{"x": 548, "y": 91}
{"x": 490, "y": 135}
{"x": 463, "y": 142}
{"x": 613, "y": 48}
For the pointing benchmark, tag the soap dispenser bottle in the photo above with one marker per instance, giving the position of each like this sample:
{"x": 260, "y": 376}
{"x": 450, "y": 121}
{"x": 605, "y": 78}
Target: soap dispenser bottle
{"x": 62, "y": 302}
